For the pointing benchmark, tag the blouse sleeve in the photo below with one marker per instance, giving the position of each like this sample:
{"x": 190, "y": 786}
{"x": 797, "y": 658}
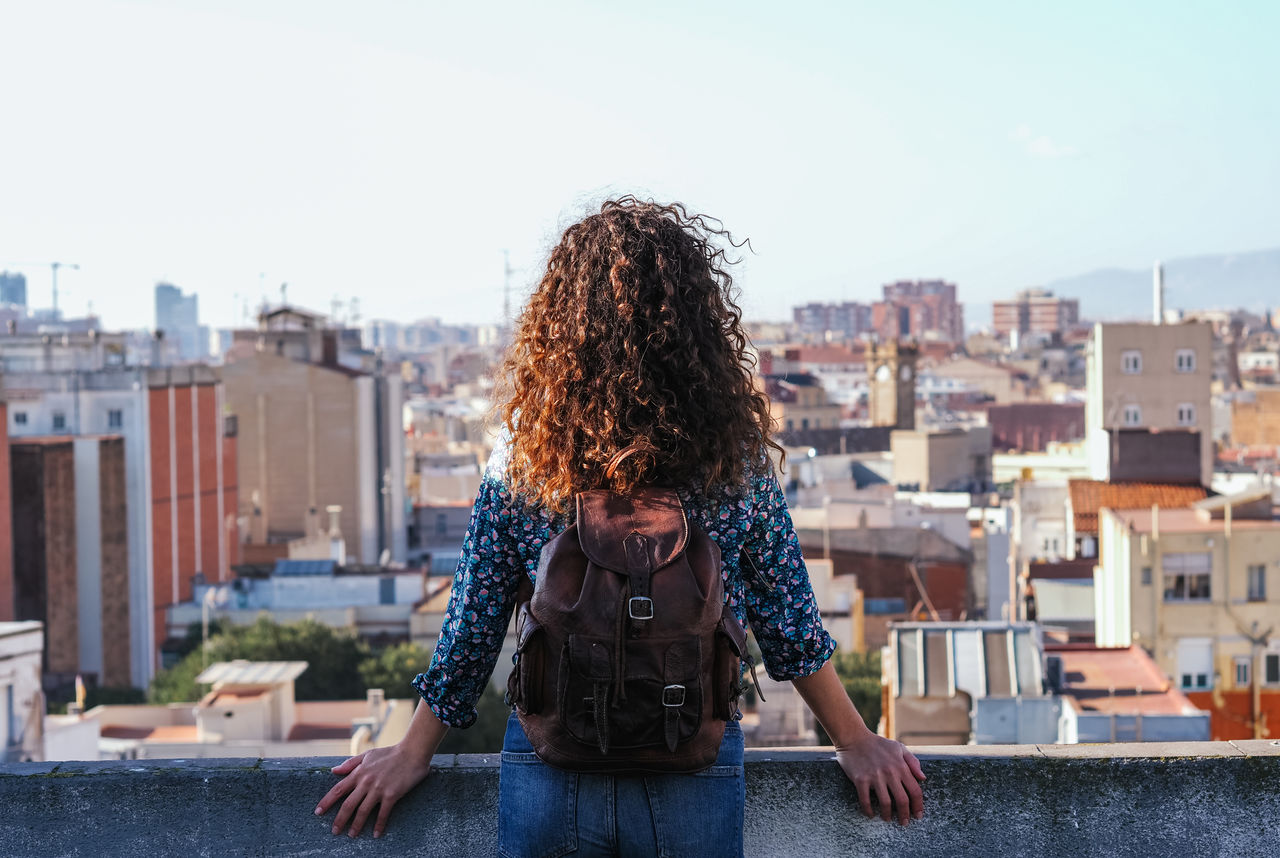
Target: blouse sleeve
{"x": 781, "y": 607}
{"x": 484, "y": 594}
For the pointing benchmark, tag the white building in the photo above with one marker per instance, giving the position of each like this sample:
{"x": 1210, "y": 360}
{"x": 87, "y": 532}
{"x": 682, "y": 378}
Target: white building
{"x": 21, "y": 652}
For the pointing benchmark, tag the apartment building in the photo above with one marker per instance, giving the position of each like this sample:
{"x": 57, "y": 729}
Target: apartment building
{"x": 1199, "y": 588}
{"x": 316, "y": 430}
{"x": 921, "y": 309}
{"x": 1148, "y": 403}
{"x": 1034, "y": 311}
{"x": 179, "y": 459}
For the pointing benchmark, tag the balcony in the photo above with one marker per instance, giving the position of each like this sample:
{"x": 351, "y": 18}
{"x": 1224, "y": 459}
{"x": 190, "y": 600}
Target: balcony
{"x": 1149, "y": 799}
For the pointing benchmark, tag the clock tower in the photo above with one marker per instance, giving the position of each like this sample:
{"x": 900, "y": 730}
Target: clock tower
{"x": 891, "y": 391}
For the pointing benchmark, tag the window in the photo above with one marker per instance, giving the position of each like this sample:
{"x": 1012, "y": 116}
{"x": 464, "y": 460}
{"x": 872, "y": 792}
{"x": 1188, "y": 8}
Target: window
{"x": 791, "y": 425}
{"x": 1131, "y": 362}
{"x": 1186, "y": 577}
{"x": 19, "y": 418}
{"x": 1132, "y": 415}
{"x": 1195, "y": 681}
{"x": 1185, "y": 360}
{"x": 804, "y": 423}
{"x": 1146, "y": 575}
{"x": 1271, "y": 669}
{"x": 1258, "y": 583}
{"x": 1195, "y": 662}
{"x": 1242, "y": 666}
{"x": 59, "y": 421}
{"x": 115, "y": 418}
{"x": 1186, "y": 414}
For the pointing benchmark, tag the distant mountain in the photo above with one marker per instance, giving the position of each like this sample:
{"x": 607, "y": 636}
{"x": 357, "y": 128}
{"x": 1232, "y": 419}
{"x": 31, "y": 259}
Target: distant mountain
{"x": 1223, "y": 281}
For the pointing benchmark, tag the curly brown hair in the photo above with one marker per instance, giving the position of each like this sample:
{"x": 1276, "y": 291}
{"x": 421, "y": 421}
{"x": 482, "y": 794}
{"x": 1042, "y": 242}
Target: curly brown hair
{"x": 630, "y": 366}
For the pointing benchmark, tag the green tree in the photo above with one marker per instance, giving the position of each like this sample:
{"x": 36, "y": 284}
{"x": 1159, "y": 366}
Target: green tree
{"x": 393, "y": 668}
{"x": 859, "y": 672}
{"x": 333, "y": 656}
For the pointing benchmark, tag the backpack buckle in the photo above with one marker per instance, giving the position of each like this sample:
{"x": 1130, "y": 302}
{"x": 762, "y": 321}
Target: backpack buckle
{"x": 673, "y": 696}
{"x": 640, "y": 608}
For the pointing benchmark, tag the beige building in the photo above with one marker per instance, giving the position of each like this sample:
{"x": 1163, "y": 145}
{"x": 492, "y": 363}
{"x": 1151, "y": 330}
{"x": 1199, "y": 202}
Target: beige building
{"x": 950, "y": 460}
{"x": 1151, "y": 380}
{"x": 250, "y": 712}
{"x": 1198, "y": 588}
{"x": 312, "y": 433}
{"x": 1255, "y": 417}
{"x": 1003, "y": 383}
{"x": 798, "y": 402}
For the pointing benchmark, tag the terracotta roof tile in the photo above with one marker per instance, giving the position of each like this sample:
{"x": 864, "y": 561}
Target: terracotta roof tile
{"x": 1122, "y": 681}
{"x": 1089, "y": 496}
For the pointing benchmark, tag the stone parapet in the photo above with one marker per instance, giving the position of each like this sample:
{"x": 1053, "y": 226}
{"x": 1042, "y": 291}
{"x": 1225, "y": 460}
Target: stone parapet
{"x": 1116, "y": 800}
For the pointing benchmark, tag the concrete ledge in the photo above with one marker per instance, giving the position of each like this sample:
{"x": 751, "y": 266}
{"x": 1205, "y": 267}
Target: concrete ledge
{"x": 1199, "y": 799}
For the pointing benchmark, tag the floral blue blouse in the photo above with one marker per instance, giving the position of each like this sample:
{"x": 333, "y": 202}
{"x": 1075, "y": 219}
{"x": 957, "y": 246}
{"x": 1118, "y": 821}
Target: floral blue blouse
{"x": 504, "y": 540}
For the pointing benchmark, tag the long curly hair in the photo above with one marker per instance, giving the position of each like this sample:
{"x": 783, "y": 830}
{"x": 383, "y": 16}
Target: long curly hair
{"x": 629, "y": 365}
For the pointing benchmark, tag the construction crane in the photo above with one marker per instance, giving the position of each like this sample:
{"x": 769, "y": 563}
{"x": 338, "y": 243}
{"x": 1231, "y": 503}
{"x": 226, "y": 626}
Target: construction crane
{"x": 53, "y": 267}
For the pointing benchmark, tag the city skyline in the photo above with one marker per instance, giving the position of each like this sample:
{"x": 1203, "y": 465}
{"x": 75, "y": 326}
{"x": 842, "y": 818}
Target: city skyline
{"x": 393, "y": 155}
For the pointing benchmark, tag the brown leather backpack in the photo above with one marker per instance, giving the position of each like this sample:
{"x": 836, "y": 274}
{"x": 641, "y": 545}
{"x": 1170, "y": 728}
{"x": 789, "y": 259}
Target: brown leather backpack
{"x": 628, "y": 660}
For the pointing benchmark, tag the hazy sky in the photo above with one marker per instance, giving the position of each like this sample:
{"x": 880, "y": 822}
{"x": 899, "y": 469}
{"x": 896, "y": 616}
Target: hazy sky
{"x": 390, "y": 149}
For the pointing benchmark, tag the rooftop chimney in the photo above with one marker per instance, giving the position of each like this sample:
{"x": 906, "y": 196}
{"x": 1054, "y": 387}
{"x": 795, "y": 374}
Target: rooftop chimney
{"x": 1158, "y": 294}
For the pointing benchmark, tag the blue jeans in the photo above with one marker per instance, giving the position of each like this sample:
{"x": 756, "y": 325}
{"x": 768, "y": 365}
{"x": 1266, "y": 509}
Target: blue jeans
{"x": 544, "y": 812}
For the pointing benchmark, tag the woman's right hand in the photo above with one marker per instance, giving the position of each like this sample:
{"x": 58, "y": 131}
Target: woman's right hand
{"x": 884, "y": 768}
{"x": 379, "y": 778}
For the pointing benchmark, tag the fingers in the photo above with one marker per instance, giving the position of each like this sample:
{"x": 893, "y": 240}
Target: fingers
{"x": 864, "y": 796}
{"x": 348, "y": 765}
{"x": 384, "y": 811}
{"x": 362, "y": 815}
{"x": 885, "y": 798}
{"x": 917, "y": 798}
{"x": 334, "y": 795}
{"x": 912, "y": 763}
{"x": 348, "y": 809}
{"x": 901, "y": 805}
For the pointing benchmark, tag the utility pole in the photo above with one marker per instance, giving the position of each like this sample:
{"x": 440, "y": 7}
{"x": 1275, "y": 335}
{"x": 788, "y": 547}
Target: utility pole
{"x": 53, "y": 267}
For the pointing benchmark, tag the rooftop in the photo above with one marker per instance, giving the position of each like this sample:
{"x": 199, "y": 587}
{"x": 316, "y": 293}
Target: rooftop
{"x": 1090, "y": 496}
{"x": 1122, "y": 681}
{"x": 1187, "y": 521}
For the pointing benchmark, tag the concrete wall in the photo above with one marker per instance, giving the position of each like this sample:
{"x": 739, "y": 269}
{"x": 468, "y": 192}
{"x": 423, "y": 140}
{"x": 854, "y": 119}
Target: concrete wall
{"x": 1118, "y": 800}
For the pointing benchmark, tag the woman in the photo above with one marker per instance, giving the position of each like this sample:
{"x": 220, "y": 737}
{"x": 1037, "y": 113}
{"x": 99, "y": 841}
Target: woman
{"x": 631, "y": 338}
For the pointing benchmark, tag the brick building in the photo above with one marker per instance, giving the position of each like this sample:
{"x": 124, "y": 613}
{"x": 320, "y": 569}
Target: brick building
{"x": 71, "y": 554}
{"x": 1028, "y": 427}
{"x": 1034, "y": 311}
{"x": 923, "y": 309}
{"x": 180, "y": 469}
{"x": 902, "y": 571}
